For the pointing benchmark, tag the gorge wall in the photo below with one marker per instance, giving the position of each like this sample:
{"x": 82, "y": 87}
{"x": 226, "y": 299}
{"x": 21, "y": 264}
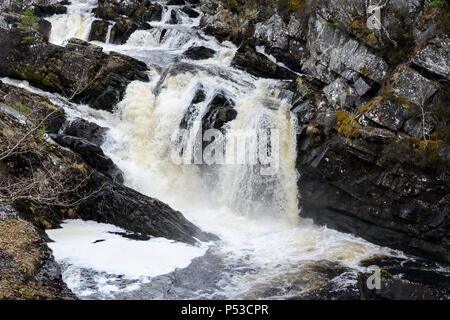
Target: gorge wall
{"x": 373, "y": 145}
{"x": 371, "y": 106}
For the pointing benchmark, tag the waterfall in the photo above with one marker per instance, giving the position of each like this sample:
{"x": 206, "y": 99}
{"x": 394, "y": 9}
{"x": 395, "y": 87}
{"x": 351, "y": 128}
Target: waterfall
{"x": 75, "y": 24}
{"x": 264, "y": 243}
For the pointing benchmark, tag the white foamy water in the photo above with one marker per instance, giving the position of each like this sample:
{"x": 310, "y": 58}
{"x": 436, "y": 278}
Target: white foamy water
{"x": 75, "y": 24}
{"x": 75, "y": 244}
{"x": 255, "y": 216}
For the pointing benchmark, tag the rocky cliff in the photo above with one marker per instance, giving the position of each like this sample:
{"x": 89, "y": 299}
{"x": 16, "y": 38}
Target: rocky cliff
{"x": 371, "y": 105}
{"x": 373, "y": 144}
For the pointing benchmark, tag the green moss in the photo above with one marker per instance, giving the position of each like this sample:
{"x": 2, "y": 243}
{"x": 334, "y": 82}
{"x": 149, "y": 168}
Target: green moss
{"x": 347, "y": 124}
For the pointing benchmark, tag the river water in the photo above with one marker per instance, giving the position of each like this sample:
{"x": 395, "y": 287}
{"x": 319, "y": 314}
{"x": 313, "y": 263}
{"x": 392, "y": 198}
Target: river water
{"x": 266, "y": 250}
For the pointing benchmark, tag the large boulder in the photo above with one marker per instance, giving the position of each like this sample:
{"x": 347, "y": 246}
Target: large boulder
{"x": 392, "y": 288}
{"x": 434, "y": 59}
{"x": 135, "y": 212}
{"x": 81, "y": 71}
{"x": 92, "y": 154}
{"x": 86, "y": 130}
{"x": 257, "y": 64}
{"x": 99, "y": 30}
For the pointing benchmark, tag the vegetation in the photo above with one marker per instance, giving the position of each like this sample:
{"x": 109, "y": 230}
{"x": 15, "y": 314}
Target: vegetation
{"x": 413, "y": 152}
{"x": 28, "y": 25}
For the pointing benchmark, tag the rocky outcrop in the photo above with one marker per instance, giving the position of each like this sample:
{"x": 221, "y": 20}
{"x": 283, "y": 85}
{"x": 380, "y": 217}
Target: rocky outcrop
{"x": 135, "y": 212}
{"x": 392, "y": 288}
{"x": 99, "y": 30}
{"x": 199, "y": 53}
{"x": 28, "y": 270}
{"x": 92, "y": 154}
{"x": 140, "y": 11}
{"x": 73, "y": 179}
{"x": 257, "y": 64}
{"x": 81, "y": 71}
{"x": 127, "y": 16}
{"x": 86, "y": 130}
{"x": 372, "y": 113}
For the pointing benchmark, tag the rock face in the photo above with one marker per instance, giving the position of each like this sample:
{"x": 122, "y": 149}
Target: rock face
{"x": 86, "y": 130}
{"x": 140, "y": 11}
{"x": 75, "y": 180}
{"x": 255, "y": 63}
{"x": 146, "y": 217}
{"x": 27, "y": 266}
{"x": 90, "y": 153}
{"x": 80, "y": 71}
{"x": 375, "y": 164}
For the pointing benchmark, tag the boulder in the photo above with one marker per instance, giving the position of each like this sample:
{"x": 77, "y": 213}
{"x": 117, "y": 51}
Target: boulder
{"x": 191, "y": 13}
{"x": 385, "y": 113}
{"x": 199, "y": 53}
{"x": 257, "y": 64}
{"x": 392, "y": 288}
{"x": 86, "y": 130}
{"x": 220, "y": 111}
{"x": 99, "y": 30}
{"x": 124, "y": 28}
{"x": 81, "y": 71}
{"x": 135, "y": 212}
{"x": 92, "y": 154}
{"x": 412, "y": 86}
{"x": 434, "y": 59}
{"x": 139, "y": 11}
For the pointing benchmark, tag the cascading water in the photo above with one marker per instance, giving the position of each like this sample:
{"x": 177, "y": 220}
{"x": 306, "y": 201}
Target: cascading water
{"x": 266, "y": 250}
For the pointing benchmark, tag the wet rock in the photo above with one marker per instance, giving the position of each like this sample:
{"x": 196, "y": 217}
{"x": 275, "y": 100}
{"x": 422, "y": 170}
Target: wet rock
{"x": 86, "y": 130}
{"x": 410, "y": 85}
{"x": 49, "y": 10}
{"x": 99, "y": 30}
{"x": 128, "y": 209}
{"x": 199, "y": 53}
{"x": 191, "y": 13}
{"x": 344, "y": 187}
{"x": 393, "y": 288}
{"x": 340, "y": 94}
{"x": 220, "y": 111}
{"x": 123, "y": 29}
{"x": 139, "y": 11}
{"x": 173, "y": 17}
{"x": 176, "y": 2}
{"x": 259, "y": 65}
{"x": 92, "y": 154}
{"x": 81, "y": 71}
{"x": 193, "y": 110}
